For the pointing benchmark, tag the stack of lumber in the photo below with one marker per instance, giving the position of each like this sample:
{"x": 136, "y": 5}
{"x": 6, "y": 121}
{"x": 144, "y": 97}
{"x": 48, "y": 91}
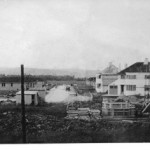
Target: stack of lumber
{"x": 71, "y": 108}
{"x": 95, "y": 113}
{"x": 72, "y": 114}
{"x": 84, "y": 113}
{"x": 84, "y": 118}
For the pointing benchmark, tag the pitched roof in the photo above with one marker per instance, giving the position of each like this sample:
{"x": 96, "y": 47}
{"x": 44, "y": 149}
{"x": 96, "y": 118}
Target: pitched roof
{"x": 136, "y": 67}
{"x": 112, "y": 69}
{"x": 37, "y": 89}
{"x": 108, "y": 81}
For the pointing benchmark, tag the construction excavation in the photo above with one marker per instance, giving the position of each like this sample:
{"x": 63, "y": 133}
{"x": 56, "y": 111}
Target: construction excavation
{"x": 77, "y": 114}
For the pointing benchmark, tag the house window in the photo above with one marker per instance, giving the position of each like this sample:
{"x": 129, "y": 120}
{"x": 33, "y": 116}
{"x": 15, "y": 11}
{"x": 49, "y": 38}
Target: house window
{"x": 147, "y": 87}
{"x": 113, "y": 87}
{"x": 11, "y": 84}
{"x": 131, "y": 76}
{"x": 122, "y": 76}
{"x": 130, "y": 87}
{"x": 3, "y": 84}
{"x": 98, "y": 85}
{"x": 147, "y": 76}
{"x": 98, "y": 76}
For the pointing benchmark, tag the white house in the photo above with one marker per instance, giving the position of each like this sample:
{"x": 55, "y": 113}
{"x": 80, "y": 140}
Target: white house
{"x": 134, "y": 80}
{"x": 105, "y": 78}
{"x": 31, "y": 97}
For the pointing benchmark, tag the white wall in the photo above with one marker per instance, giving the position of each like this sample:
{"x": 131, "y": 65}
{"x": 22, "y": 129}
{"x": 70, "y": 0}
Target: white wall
{"x": 105, "y": 88}
{"x": 140, "y": 83}
{"x": 41, "y": 93}
{"x": 15, "y": 87}
{"x": 98, "y": 81}
{"x": 28, "y": 99}
{"x": 101, "y": 81}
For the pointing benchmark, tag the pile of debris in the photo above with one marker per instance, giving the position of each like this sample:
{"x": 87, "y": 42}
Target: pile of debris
{"x": 83, "y": 114}
{"x": 86, "y": 104}
{"x": 95, "y": 113}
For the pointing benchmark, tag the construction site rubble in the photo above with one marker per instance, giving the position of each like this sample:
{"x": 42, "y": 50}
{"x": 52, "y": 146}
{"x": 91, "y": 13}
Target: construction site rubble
{"x": 83, "y": 114}
{"x": 42, "y": 128}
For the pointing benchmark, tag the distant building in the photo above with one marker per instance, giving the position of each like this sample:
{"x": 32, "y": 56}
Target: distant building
{"x": 39, "y": 84}
{"x": 105, "y": 78}
{"x": 134, "y": 80}
{"x": 31, "y": 97}
{"x": 91, "y": 81}
{"x": 15, "y": 86}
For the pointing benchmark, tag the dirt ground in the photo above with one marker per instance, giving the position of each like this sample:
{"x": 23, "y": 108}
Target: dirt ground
{"x": 47, "y": 125}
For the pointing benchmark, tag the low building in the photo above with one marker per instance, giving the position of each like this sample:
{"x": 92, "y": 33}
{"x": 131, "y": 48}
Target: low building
{"x": 15, "y": 86}
{"x": 105, "y": 78}
{"x": 134, "y": 80}
{"x": 31, "y": 97}
{"x": 41, "y": 91}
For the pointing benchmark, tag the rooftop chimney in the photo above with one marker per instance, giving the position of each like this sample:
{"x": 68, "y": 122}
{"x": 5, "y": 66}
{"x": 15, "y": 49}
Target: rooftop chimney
{"x": 146, "y": 61}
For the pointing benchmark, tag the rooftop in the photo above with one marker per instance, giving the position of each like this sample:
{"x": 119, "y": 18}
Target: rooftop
{"x": 108, "y": 81}
{"x": 111, "y": 69}
{"x": 137, "y": 67}
{"x": 37, "y": 89}
{"x": 28, "y": 92}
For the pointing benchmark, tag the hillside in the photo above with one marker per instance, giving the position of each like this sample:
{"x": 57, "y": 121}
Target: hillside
{"x": 34, "y": 71}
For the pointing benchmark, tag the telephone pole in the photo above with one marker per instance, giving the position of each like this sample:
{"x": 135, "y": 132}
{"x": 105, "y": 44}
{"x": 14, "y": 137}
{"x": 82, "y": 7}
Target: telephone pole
{"x": 23, "y": 106}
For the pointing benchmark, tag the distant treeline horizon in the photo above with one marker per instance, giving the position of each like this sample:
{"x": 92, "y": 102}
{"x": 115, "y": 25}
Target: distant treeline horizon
{"x": 34, "y": 78}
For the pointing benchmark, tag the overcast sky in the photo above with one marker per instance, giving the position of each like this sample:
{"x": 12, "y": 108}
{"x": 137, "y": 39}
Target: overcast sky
{"x": 83, "y": 34}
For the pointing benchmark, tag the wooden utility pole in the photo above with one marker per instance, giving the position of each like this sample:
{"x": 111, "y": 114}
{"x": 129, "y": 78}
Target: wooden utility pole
{"x": 23, "y": 106}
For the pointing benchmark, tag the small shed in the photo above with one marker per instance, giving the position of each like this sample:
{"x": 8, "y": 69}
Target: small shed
{"x": 31, "y": 97}
{"x": 41, "y": 92}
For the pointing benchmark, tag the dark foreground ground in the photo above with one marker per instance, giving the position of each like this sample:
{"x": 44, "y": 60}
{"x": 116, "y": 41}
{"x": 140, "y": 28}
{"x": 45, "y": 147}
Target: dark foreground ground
{"x": 47, "y": 125}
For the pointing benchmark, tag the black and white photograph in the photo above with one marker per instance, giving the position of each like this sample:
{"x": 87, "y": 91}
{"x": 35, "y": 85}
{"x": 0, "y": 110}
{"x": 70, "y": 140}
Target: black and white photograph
{"x": 74, "y": 71}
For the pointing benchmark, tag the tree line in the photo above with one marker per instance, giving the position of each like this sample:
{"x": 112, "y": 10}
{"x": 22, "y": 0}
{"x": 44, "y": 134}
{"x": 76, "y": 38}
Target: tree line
{"x": 34, "y": 78}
